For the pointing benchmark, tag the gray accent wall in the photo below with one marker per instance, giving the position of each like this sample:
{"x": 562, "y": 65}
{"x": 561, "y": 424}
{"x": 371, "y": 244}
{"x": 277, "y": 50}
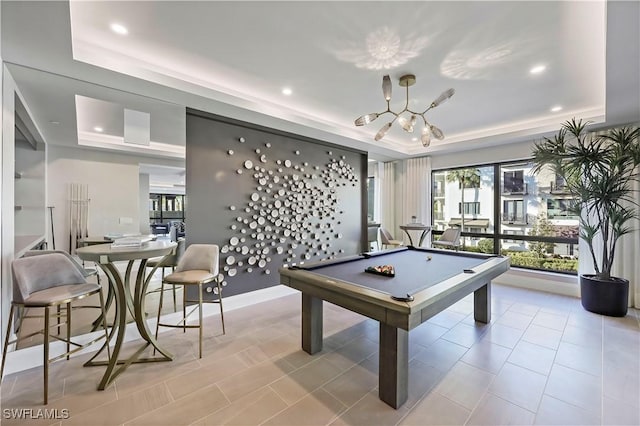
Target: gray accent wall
{"x": 270, "y": 198}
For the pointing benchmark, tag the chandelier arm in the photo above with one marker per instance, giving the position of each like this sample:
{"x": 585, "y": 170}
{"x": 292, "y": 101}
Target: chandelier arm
{"x": 430, "y": 107}
{"x": 406, "y": 105}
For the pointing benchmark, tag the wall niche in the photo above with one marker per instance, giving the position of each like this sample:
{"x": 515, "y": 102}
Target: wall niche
{"x": 270, "y": 198}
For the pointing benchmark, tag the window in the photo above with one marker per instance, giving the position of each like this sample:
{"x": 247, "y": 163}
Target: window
{"x": 371, "y": 198}
{"x": 164, "y": 208}
{"x": 513, "y": 211}
{"x": 521, "y": 217}
{"x": 514, "y": 182}
{"x": 560, "y": 208}
{"x": 438, "y": 210}
{"x": 469, "y": 208}
{"x": 438, "y": 186}
{"x": 559, "y": 185}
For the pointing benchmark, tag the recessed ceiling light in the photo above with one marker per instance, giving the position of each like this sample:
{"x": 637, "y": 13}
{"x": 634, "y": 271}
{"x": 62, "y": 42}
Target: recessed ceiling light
{"x": 287, "y": 91}
{"x": 414, "y": 139}
{"x": 98, "y": 129}
{"x": 556, "y": 108}
{"x": 538, "y": 69}
{"x": 55, "y": 123}
{"x": 119, "y": 29}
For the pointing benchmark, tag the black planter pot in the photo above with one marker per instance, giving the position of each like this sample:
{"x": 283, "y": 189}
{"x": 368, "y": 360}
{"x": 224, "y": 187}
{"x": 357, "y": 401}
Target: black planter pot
{"x": 609, "y": 298}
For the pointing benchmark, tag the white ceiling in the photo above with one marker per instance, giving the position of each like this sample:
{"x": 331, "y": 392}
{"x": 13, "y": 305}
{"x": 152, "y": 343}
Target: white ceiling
{"x": 234, "y": 58}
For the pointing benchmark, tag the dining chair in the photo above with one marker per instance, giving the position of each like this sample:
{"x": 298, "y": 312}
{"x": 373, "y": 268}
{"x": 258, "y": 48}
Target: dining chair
{"x": 46, "y": 281}
{"x": 197, "y": 267}
{"x": 170, "y": 261}
{"x": 387, "y": 239}
{"x": 450, "y": 238}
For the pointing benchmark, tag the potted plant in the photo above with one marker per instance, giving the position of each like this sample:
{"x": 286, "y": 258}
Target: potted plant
{"x": 599, "y": 171}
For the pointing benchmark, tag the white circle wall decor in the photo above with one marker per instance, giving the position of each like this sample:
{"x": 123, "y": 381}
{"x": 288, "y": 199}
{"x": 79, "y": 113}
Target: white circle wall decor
{"x": 289, "y": 213}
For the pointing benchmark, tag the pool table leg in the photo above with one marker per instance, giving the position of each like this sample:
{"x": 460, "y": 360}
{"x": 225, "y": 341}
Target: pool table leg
{"x": 482, "y": 304}
{"x": 393, "y": 384}
{"x": 311, "y": 324}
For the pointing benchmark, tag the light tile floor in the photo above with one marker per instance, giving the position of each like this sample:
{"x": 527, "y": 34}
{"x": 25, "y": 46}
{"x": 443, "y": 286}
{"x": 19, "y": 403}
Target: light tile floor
{"x": 542, "y": 360}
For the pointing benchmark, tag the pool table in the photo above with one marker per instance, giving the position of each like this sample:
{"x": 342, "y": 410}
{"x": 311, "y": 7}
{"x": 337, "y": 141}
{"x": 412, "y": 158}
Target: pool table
{"x": 426, "y": 282}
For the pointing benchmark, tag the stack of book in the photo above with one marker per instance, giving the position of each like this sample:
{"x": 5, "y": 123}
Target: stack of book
{"x": 132, "y": 241}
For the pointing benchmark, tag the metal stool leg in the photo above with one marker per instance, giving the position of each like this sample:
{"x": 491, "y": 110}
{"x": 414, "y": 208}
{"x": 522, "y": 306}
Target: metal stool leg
{"x": 46, "y": 355}
{"x": 68, "y": 328}
{"x": 6, "y": 340}
{"x": 220, "y": 302}
{"x": 200, "y": 318}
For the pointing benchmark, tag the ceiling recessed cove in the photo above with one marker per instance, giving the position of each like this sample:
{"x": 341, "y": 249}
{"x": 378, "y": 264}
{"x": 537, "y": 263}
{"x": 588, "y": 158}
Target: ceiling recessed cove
{"x": 137, "y": 127}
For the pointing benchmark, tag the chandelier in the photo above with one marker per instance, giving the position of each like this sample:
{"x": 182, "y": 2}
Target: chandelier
{"x": 407, "y": 123}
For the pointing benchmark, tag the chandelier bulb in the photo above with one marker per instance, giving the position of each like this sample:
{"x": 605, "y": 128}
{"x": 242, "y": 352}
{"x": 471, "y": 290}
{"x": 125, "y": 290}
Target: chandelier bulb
{"x": 366, "y": 119}
{"x": 443, "y": 97}
{"x": 425, "y": 137}
{"x": 437, "y": 133}
{"x": 386, "y": 87}
{"x": 407, "y": 125}
{"x": 383, "y": 131}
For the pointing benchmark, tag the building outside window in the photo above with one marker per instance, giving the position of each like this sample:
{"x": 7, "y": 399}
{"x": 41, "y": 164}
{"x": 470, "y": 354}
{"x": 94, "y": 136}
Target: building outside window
{"x": 534, "y": 223}
{"x": 472, "y": 208}
{"x": 513, "y": 211}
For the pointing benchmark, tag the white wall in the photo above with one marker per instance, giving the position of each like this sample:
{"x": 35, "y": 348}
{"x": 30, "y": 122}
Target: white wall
{"x": 3, "y": 300}
{"x": 143, "y": 193}
{"x": 113, "y": 181}
{"x": 474, "y": 157}
{"x": 7, "y": 212}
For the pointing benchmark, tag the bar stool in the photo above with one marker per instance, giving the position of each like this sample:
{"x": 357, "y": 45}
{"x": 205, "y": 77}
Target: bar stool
{"x": 46, "y": 281}
{"x": 197, "y": 267}
{"x": 169, "y": 262}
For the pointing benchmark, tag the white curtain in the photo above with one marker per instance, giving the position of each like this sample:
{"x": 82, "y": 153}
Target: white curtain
{"x": 417, "y": 193}
{"x": 626, "y": 264}
{"x": 388, "y": 196}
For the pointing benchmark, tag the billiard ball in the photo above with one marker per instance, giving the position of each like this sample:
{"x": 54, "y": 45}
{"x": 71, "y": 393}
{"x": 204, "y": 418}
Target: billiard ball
{"x": 428, "y": 257}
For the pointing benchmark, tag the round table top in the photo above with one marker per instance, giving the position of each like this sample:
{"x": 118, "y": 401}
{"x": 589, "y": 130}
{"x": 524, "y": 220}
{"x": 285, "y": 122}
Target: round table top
{"x": 89, "y": 241}
{"x": 415, "y": 226}
{"x": 103, "y": 253}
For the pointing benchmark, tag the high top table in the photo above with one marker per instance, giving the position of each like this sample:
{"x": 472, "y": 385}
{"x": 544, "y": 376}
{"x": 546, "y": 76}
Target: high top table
{"x": 416, "y": 227}
{"x": 104, "y": 255}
